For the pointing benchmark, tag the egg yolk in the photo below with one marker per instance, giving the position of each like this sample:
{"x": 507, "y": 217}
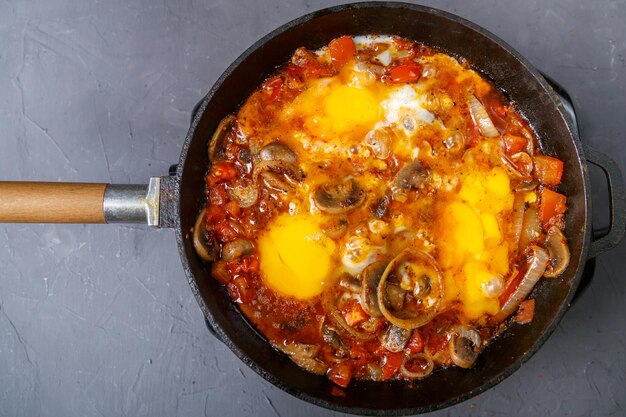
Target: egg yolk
{"x": 351, "y": 108}
{"x": 295, "y": 256}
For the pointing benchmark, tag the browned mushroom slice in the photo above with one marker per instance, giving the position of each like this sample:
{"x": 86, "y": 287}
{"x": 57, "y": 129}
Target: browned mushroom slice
{"x": 370, "y": 277}
{"x": 412, "y": 267}
{"x": 331, "y": 337}
{"x": 412, "y": 175}
{"x": 204, "y": 241}
{"x": 277, "y": 174}
{"x": 278, "y": 151}
{"x": 236, "y": 249}
{"x": 339, "y": 198}
{"x": 244, "y": 191}
{"x": 335, "y": 227}
{"x": 465, "y": 345}
{"x": 382, "y": 206}
{"x": 395, "y": 338}
{"x": 304, "y": 356}
{"x": 217, "y": 143}
{"x": 558, "y": 252}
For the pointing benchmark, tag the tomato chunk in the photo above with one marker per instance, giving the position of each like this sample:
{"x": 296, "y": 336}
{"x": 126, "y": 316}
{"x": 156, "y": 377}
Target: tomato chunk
{"x": 215, "y": 214}
{"x": 408, "y": 72}
{"x": 341, "y": 51}
{"x": 553, "y": 206}
{"x": 416, "y": 343}
{"x": 240, "y": 290}
{"x": 340, "y": 374}
{"x": 310, "y": 66}
{"x": 224, "y": 231}
{"x": 354, "y": 314}
{"x": 393, "y": 361}
{"x": 548, "y": 170}
{"x": 272, "y": 87}
{"x": 233, "y": 209}
{"x": 220, "y": 172}
{"x": 514, "y": 144}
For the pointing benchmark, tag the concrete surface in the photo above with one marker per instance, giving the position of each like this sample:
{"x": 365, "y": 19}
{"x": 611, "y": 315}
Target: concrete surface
{"x": 98, "y": 320}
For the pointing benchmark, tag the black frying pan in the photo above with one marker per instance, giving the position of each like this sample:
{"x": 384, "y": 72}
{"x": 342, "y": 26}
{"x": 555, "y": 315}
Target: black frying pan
{"x": 176, "y": 200}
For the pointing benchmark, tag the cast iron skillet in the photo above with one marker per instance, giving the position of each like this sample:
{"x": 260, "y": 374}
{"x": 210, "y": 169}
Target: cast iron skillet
{"x": 176, "y": 200}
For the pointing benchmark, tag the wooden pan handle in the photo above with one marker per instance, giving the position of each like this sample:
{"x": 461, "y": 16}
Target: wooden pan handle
{"x": 51, "y": 202}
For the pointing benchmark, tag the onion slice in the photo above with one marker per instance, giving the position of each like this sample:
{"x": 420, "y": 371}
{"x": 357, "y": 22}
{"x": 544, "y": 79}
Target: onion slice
{"x": 422, "y": 373}
{"x": 481, "y": 118}
{"x": 427, "y": 314}
{"x": 536, "y": 267}
{"x": 205, "y": 244}
{"x": 465, "y": 345}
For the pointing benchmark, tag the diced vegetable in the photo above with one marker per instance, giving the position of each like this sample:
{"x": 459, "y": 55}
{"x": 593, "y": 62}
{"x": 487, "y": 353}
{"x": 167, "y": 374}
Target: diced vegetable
{"x": 341, "y": 50}
{"x": 272, "y": 87}
{"x": 215, "y": 214}
{"x": 354, "y": 315}
{"x": 340, "y": 374}
{"x": 514, "y": 144}
{"x": 408, "y": 72}
{"x": 220, "y": 172}
{"x": 233, "y": 209}
{"x": 548, "y": 170}
{"x": 393, "y": 362}
{"x": 552, "y": 205}
{"x": 416, "y": 343}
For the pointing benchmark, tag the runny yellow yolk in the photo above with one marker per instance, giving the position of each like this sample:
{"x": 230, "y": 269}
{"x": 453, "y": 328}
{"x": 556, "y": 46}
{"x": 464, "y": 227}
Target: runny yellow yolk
{"x": 295, "y": 256}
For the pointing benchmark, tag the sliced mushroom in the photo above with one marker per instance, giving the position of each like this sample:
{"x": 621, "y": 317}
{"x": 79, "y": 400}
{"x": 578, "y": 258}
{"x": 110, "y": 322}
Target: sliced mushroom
{"x": 350, "y": 284}
{"x": 335, "y": 227}
{"x": 417, "y": 366}
{"x": 331, "y": 337}
{"x": 411, "y": 176}
{"x": 204, "y": 242}
{"x": 236, "y": 249}
{"x": 558, "y": 252}
{"x": 395, "y": 338}
{"x": 304, "y": 356}
{"x": 340, "y": 198}
{"x": 380, "y": 141}
{"x": 465, "y": 345}
{"x": 217, "y": 143}
{"x": 374, "y": 372}
{"x": 370, "y": 277}
{"x": 244, "y": 191}
{"x": 382, "y": 206}
{"x": 427, "y": 307}
{"x": 278, "y": 151}
{"x": 277, "y": 174}
{"x": 395, "y": 297}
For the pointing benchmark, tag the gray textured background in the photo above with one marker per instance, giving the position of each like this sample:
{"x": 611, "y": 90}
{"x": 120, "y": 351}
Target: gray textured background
{"x": 98, "y": 320}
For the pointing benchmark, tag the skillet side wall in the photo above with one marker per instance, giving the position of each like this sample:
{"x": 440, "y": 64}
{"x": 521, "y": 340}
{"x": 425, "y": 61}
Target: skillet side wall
{"x": 488, "y": 55}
